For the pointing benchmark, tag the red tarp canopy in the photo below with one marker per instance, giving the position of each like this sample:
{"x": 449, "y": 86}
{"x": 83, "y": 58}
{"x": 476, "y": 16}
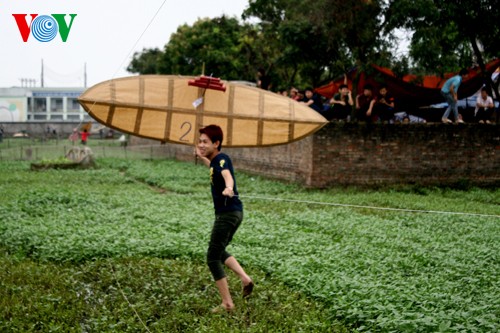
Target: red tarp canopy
{"x": 411, "y": 90}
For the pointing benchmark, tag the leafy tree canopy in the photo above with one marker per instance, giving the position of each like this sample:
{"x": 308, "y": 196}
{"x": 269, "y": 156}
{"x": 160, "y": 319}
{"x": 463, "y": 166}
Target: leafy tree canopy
{"x": 446, "y": 33}
{"x": 220, "y": 46}
{"x": 308, "y": 42}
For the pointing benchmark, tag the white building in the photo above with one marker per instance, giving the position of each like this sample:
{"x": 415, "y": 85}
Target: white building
{"x": 41, "y": 105}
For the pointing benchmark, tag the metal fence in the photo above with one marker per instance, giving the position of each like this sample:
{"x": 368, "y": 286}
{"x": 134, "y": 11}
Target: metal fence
{"x": 36, "y": 151}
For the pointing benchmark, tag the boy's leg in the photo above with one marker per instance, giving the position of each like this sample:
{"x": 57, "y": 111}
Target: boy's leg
{"x": 235, "y": 266}
{"x": 246, "y": 280}
{"x": 227, "y": 301}
{"x": 488, "y": 114}
{"x": 455, "y": 111}
{"x": 221, "y": 233}
{"x": 225, "y": 226}
{"x": 450, "y": 100}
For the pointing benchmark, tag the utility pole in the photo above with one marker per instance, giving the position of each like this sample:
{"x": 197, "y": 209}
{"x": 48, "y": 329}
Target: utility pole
{"x": 85, "y": 75}
{"x": 41, "y": 79}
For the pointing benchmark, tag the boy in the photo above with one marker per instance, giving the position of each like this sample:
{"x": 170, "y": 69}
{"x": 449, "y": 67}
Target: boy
{"x": 342, "y": 103}
{"x": 364, "y": 104}
{"x": 228, "y": 214}
{"x": 384, "y": 106}
{"x": 484, "y": 107}
{"x": 84, "y": 135}
{"x": 450, "y": 94}
{"x": 313, "y": 100}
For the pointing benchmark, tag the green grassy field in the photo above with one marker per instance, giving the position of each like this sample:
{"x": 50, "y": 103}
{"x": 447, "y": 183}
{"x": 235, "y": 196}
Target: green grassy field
{"x": 121, "y": 249}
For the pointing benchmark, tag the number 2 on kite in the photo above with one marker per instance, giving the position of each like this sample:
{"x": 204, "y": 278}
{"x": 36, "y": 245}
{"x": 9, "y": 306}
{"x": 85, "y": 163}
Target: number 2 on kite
{"x": 189, "y": 127}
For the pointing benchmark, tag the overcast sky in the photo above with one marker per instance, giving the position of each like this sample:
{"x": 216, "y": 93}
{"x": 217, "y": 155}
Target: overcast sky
{"x": 103, "y": 36}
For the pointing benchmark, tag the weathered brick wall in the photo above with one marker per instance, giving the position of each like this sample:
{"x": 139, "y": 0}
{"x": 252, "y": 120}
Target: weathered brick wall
{"x": 354, "y": 154}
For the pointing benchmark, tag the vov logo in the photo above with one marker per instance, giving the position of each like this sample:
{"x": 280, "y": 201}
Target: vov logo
{"x": 44, "y": 27}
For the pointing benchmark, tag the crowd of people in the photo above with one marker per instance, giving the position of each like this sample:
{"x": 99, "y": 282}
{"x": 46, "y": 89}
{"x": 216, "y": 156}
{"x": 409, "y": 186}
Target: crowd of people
{"x": 378, "y": 105}
{"x": 369, "y": 106}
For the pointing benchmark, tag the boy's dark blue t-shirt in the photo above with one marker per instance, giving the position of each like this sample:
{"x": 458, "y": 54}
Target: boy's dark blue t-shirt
{"x": 222, "y": 203}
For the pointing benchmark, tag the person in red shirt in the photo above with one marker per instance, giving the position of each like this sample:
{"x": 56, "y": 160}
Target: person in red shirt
{"x": 84, "y": 136}
{"x": 364, "y": 104}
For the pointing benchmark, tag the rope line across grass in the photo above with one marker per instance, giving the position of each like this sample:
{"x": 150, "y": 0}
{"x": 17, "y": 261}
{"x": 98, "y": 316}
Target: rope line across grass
{"x": 369, "y": 207}
{"x": 126, "y": 298}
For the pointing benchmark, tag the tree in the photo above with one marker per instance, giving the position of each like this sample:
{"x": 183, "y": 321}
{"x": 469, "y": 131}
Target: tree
{"x": 145, "y": 62}
{"x": 297, "y": 43}
{"x": 448, "y": 34}
{"x": 310, "y": 42}
{"x": 322, "y": 39}
{"x": 210, "y": 43}
{"x": 219, "y": 46}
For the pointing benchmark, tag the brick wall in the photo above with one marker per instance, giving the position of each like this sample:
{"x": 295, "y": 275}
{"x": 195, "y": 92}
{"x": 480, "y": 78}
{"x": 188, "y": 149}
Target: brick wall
{"x": 354, "y": 154}
{"x": 432, "y": 154}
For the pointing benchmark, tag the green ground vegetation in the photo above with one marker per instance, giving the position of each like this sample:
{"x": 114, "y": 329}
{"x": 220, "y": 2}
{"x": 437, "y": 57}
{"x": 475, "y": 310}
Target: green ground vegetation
{"x": 121, "y": 248}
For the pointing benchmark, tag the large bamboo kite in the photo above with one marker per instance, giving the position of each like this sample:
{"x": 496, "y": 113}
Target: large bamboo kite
{"x": 173, "y": 108}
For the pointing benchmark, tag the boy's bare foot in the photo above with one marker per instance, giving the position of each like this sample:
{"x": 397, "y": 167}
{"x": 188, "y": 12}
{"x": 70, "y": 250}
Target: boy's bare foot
{"x": 247, "y": 289}
{"x": 221, "y": 308}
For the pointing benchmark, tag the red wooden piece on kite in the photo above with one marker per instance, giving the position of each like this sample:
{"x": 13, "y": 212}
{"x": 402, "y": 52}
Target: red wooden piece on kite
{"x": 208, "y": 82}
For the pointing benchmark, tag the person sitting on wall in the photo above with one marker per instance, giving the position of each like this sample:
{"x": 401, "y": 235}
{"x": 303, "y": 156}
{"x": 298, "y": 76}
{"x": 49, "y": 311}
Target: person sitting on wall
{"x": 406, "y": 118}
{"x": 341, "y": 103}
{"x": 364, "y": 104}
{"x": 313, "y": 100}
{"x": 384, "y": 106}
{"x": 294, "y": 94}
{"x": 484, "y": 107}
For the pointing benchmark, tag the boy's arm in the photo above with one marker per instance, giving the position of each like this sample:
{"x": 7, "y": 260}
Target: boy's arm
{"x": 370, "y": 109}
{"x": 349, "y": 94}
{"x": 335, "y": 101}
{"x": 479, "y": 102}
{"x": 452, "y": 92}
{"x": 228, "y": 179}
{"x": 491, "y": 104}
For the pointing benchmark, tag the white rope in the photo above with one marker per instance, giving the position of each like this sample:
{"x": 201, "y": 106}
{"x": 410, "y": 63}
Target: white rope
{"x": 126, "y": 298}
{"x": 121, "y": 64}
{"x": 368, "y": 207}
{"x": 138, "y": 39}
{"x": 133, "y": 47}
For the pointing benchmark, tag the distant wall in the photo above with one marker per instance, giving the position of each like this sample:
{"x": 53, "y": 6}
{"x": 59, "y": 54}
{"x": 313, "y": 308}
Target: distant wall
{"x": 37, "y": 129}
{"x": 40, "y": 129}
{"x": 354, "y": 154}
